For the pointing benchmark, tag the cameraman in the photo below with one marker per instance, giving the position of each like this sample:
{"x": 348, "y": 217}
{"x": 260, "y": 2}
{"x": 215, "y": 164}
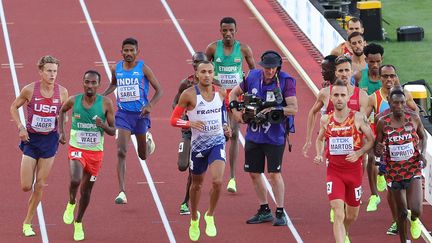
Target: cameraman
{"x": 266, "y": 140}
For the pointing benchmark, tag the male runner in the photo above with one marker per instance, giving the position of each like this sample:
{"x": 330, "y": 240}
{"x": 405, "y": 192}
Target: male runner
{"x": 354, "y": 24}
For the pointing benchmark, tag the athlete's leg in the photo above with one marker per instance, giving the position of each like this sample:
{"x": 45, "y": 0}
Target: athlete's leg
{"x": 351, "y": 214}
{"x": 217, "y": 169}
{"x": 188, "y": 185}
{"x": 415, "y": 198}
{"x": 76, "y": 174}
{"x": 372, "y": 172}
{"x": 195, "y": 194}
{"x": 43, "y": 168}
{"x": 28, "y": 165}
{"x": 338, "y": 206}
{"x": 234, "y": 148}
{"x": 85, "y": 191}
{"x": 399, "y": 197}
{"x": 278, "y": 188}
{"x": 122, "y": 142}
{"x": 259, "y": 186}
{"x": 392, "y": 204}
{"x": 142, "y": 145}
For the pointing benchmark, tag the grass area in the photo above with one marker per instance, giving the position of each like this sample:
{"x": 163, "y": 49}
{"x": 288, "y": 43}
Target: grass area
{"x": 412, "y": 59}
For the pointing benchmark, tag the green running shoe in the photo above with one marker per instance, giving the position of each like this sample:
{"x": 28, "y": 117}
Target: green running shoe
{"x": 393, "y": 230}
{"x": 372, "y": 206}
{"x": 68, "y": 215}
{"x": 232, "y": 187}
{"x": 184, "y": 209}
{"x": 210, "y": 225}
{"x": 28, "y": 230}
{"x": 415, "y": 228}
{"x": 381, "y": 183}
{"x": 347, "y": 240}
{"x": 78, "y": 231}
{"x": 331, "y": 215}
{"x": 194, "y": 230}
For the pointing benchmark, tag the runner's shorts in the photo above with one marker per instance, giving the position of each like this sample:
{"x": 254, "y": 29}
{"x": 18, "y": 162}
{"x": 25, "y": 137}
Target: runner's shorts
{"x": 132, "y": 121}
{"x": 199, "y": 161}
{"x": 90, "y": 160}
{"x": 41, "y": 146}
{"x": 344, "y": 184}
{"x": 256, "y": 153}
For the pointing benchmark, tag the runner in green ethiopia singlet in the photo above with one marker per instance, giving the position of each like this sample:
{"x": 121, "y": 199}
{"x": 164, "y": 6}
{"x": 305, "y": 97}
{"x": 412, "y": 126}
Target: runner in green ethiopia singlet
{"x": 367, "y": 84}
{"x": 84, "y": 132}
{"x": 228, "y": 69}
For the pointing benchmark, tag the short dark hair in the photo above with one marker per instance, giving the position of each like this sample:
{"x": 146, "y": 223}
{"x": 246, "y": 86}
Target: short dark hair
{"x": 373, "y": 48}
{"x": 130, "y": 41}
{"x": 354, "y": 34}
{"x": 387, "y": 65}
{"x": 339, "y": 82}
{"x": 228, "y": 20}
{"x": 93, "y": 72}
{"x": 396, "y": 90}
{"x": 330, "y": 58}
{"x": 342, "y": 59}
{"x": 355, "y": 20}
{"x": 205, "y": 62}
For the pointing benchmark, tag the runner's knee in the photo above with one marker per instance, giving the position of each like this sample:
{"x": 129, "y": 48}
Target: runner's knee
{"x": 121, "y": 153}
{"x": 26, "y": 187}
{"x": 38, "y": 186}
{"x": 403, "y": 214}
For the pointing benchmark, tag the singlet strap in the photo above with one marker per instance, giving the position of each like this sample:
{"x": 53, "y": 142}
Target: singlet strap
{"x": 197, "y": 90}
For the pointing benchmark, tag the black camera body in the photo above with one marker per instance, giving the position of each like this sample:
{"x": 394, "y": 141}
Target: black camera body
{"x": 253, "y": 105}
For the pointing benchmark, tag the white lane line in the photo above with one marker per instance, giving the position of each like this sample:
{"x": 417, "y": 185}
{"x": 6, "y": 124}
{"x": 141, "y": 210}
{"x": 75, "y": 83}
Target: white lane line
{"x": 142, "y": 162}
{"x": 39, "y": 210}
{"x": 290, "y": 225}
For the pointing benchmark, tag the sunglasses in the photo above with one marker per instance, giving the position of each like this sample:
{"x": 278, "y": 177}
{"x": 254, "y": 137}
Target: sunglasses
{"x": 388, "y": 75}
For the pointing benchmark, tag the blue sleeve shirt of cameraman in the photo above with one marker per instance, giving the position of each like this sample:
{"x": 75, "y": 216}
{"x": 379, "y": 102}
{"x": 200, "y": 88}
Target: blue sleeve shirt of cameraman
{"x": 267, "y": 133}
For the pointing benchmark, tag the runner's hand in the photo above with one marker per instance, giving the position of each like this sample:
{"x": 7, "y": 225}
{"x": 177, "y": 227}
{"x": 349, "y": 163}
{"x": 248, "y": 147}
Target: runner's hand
{"x": 200, "y": 125}
{"x": 227, "y": 130}
{"x": 99, "y": 122}
{"x": 354, "y": 156}
{"x": 23, "y": 134}
{"x": 318, "y": 159}
{"x": 62, "y": 138}
{"x": 146, "y": 110}
{"x": 379, "y": 149}
{"x": 305, "y": 149}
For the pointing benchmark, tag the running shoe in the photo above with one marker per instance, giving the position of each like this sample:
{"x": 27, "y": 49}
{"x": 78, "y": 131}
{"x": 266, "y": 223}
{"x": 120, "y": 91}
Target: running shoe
{"x": 28, "y": 230}
{"x": 78, "y": 231}
{"x": 280, "y": 220}
{"x": 415, "y": 228}
{"x": 232, "y": 187}
{"x": 331, "y": 215}
{"x": 381, "y": 183}
{"x": 194, "y": 230}
{"x": 121, "y": 198}
{"x": 372, "y": 206}
{"x": 347, "y": 240}
{"x": 184, "y": 209}
{"x": 210, "y": 226}
{"x": 261, "y": 217}
{"x": 393, "y": 230}
{"x": 68, "y": 215}
{"x": 150, "y": 142}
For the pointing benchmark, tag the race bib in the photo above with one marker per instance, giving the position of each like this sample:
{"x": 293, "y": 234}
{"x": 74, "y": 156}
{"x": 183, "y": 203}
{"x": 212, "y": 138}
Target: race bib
{"x": 43, "y": 124}
{"x": 88, "y": 138}
{"x": 229, "y": 81}
{"x": 128, "y": 93}
{"x": 401, "y": 152}
{"x": 341, "y": 145}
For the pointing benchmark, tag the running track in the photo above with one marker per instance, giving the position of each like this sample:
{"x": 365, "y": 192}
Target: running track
{"x": 37, "y": 28}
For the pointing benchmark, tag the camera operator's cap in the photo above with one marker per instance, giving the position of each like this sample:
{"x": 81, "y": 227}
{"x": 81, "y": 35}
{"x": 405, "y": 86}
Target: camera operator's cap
{"x": 270, "y": 59}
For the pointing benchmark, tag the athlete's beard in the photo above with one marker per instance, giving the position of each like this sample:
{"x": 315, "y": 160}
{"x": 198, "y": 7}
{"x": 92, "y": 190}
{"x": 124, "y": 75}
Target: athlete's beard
{"x": 358, "y": 54}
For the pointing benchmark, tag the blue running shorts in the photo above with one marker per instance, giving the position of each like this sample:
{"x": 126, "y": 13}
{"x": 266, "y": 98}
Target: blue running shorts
{"x": 41, "y": 146}
{"x": 199, "y": 161}
{"x": 132, "y": 121}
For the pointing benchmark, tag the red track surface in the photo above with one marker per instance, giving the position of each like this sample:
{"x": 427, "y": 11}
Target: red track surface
{"x": 58, "y": 28}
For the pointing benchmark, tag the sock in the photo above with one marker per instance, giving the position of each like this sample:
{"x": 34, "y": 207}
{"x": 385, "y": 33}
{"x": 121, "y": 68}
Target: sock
{"x": 264, "y": 207}
{"x": 279, "y": 212}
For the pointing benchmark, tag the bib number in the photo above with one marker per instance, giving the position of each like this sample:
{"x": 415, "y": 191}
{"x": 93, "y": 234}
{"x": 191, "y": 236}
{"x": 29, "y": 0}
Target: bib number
{"x": 341, "y": 145}
{"x": 128, "y": 93}
{"x": 43, "y": 124}
{"x": 229, "y": 81}
{"x": 401, "y": 152}
{"x": 88, "y": 138}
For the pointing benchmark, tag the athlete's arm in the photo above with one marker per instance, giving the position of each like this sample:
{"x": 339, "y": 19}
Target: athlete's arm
{"x": 108, "y": 126}
{"x": 319, "y": 103}
{"x": 63, "y": 94}
{"x": 362, "y": 124}
{"x": 319, "y": 144}
{"x": 379, "y": 143}
{"x": 410, "y": 102}
{"x": 156, "y": 86}
{"x": 113, "y": 83}
{"x": 182, "y": 87}
{"x": 371, "y": 105}
{"x": 357, "y": 78}
{"x": 67, "y": 105}
{"x": 183, "y": 104}
{"x": 248, "y": 56}
{"x": 337, "y": 51}
{"x": 422, "y": 138}
{"x": 210, "y": 51}
{"x": 24, "y": 97}
{"x": 364, "y": 101}
{"x": 234, "y": 94}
